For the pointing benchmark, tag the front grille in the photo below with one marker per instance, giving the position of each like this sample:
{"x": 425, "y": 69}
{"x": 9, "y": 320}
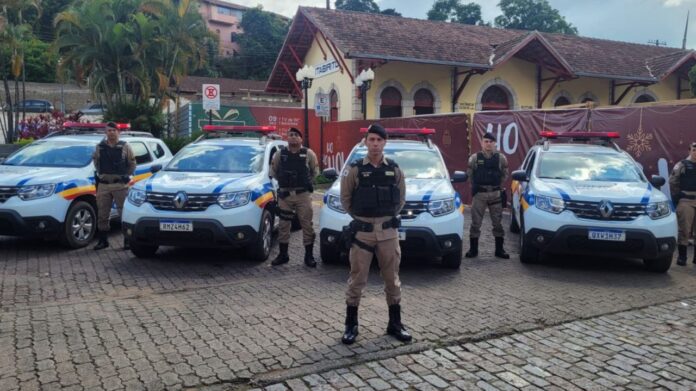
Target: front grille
{"x": 412, "y": 209}
{"x": 590, "y": 210}
{"x": 6, "y": 192}
{"x": 195, "y": 203}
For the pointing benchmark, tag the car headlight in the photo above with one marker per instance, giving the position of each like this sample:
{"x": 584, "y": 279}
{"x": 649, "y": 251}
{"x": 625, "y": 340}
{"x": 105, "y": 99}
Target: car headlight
{"x": 549, "y": 204}
{"x": 137, "y": 197}
{"x": 33, "y": 192}
{"x": 334, "y": 203}
{"x": 441, "y": 207}
{"x": 658, "y": 210}
{"x": 234, "y": 200}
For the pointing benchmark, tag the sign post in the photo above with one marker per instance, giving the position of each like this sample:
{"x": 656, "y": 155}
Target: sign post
{"x": 322, "y": 105}
{"x": 211, "y": 99}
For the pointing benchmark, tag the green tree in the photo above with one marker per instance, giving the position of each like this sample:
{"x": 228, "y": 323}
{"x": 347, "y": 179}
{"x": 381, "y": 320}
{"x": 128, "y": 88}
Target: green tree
{"x": 692, "y": 80}
{"x": 390, "y": 11}
{"x": 532, "y": 15}
{"x": 358, "y": 5}
{"x": 456, "y": 11}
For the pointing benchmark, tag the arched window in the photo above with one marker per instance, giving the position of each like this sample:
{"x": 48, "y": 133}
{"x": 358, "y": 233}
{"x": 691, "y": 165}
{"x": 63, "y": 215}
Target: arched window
{"x": 391, "y": 103}
{"x": 645, "y": 98}
{"x": 333, "y": 99}
{"x": 561, "y": 101}
{"x": 423, "y": 102}
{"x": 495, "y": 98}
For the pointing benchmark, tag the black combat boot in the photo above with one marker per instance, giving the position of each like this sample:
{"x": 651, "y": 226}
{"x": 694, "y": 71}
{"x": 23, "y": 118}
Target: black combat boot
{"x": 309, "y": 256}
{"x": 395, "y": 328}
{"x": 681, "y": 259}
{"x": 283, "y": 256}
{"x": 126, "y": 243}
{"x": 499, "y": 250}
{"x": 473, "y": 248}
{"x": 351, "y": 325}
{"x": 103, "y": 240}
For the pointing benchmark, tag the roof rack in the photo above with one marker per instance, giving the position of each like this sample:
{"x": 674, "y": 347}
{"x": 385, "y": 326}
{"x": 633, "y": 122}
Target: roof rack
{"x": 71, "y": 127}
{"x": 217, "y": 131}
{"x": 599, "y": 138}
{"x": 423, "y": 133}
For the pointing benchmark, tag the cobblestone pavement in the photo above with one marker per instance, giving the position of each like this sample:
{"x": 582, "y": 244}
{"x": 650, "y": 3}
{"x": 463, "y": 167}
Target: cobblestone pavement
{"x": 193, "y": 318}
{"x": 635, "y": 350}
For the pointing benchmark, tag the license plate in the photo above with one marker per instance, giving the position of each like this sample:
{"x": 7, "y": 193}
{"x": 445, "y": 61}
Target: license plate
{"x": 176, "y": 225}
{"x": 402, "y": 234}
{"x": 613, "y": 235}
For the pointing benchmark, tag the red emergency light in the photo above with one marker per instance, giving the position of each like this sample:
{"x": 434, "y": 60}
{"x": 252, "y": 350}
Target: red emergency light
{"x": 579, "y": 135}
{"x": 92, "y": 125}
{"x": 406, "y": 131}
{"x": 238, "y": 128}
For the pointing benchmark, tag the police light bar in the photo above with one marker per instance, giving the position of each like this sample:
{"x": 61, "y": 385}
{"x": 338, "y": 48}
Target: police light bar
{"x": 238, "y": 128}
{"x": 92, "y": 125}
{"x": 406, "y": 131}
{"x": 579, "y": 135}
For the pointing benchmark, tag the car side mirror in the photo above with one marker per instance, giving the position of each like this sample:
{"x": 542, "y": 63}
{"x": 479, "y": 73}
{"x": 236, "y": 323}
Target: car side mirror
{"x": 657, "y": 181}
{"x": 330, "y": 173}
{"x": 520, "y": 176}
{"x": 459, "y": 177}
{"x": 155, "y": 168}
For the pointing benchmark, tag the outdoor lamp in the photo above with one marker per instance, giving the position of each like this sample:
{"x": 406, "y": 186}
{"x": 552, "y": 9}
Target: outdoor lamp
{"x": 305, "y": 75}
{"x": 364, "y": 82}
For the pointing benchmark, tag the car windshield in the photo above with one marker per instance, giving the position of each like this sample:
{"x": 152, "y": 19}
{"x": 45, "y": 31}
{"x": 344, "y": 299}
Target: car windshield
{"x": 579, "y": 166}
{"x": 418, "y": 164}
{"x": 219, "y": 158}
{"x": 53, "y": 154}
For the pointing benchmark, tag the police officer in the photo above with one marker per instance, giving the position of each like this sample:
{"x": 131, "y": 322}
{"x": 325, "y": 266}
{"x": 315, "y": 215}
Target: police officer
{"x": 682, "y": 185}
{"x": 295, "y": 168}
{"x": 373, "y": 191}
{"x": 488, "y": 170}
{"x": 114, "y": 162}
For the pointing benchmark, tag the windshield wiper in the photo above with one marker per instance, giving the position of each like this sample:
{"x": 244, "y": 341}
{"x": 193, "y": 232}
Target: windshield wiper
{"x": 553, "y": 177}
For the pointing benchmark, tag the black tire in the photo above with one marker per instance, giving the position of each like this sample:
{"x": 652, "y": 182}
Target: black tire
{"x": 514, "y": 226}
{"x": 80, "y": 225}
{"x": 528, "y": 253}
{"x": 659, "y": 265}
{"x": 261, "y": 248}
{"x": 329, "y": 254}
{"x": 143, "y": 251}
{"x": 453, "y": 260}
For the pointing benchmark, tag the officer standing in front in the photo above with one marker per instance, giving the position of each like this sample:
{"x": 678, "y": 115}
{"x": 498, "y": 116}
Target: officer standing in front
{"x": 488, "y": 170}
{"x": 372, "y": 192}
{"x": 295, "y": 168}
{"x": 682, "y": 185}
{"x": 114, "y": 163}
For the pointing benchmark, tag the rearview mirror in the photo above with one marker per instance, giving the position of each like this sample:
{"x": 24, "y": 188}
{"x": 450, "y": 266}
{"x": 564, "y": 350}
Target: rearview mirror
{"x": 657, "y": 181}
{"x": 520, "y": 176}
{"x": 155, "y": 168}
{"x": 330, "y": 173}
{"x": 459, "y": 177}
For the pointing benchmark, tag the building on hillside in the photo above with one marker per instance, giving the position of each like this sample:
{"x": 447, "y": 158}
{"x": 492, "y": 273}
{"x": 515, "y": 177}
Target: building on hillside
{"x": 223, "y": 18}
{"x": 424, "y": 67}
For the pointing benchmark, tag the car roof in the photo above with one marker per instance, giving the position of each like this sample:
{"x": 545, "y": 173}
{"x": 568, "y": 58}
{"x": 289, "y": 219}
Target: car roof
{"x": 570, "y": 148}
{"x": 96, "y": 138}
{"x": 403, "y": 144}
{"x": 233, "y": 141}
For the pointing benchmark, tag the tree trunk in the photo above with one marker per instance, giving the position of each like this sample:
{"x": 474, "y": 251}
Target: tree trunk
{"x": 24, "y": 89}
{"x": 16, "y": 122}
{"x": 8, "y": 98}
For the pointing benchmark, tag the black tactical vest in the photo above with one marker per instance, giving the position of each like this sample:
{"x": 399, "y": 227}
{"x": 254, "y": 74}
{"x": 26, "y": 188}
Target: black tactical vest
{"x": 377, "y": 194}
{"x": 292, "y": 170}
{"x": 687, "y": 180}
{"x": 487, "y": 171}
{"x": 112, "y": 160}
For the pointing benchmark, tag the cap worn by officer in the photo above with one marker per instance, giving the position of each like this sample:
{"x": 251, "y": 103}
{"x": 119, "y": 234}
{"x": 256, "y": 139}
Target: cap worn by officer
{"x": 111, "y": 125}
{"x": 378, "y": 130}
{"x": 295, "y": 130}
{"x": 489, "y": 136}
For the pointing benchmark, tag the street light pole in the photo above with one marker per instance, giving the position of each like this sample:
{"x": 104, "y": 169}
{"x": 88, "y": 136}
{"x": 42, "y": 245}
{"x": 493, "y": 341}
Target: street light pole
{"x": 305, "y": 75}
{"x": 364, "y": 82}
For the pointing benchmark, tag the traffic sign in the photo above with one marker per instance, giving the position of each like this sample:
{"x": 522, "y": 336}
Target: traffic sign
{"x": 322, "y": 105}
{"x": 211, "y": 97}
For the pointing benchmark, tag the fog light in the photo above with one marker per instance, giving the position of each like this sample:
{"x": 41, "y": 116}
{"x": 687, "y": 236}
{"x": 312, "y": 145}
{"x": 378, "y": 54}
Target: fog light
{"x": 129, "y": 232}
{"x": 664, "y": 247}
{"x": 448, "y": 243}
{"x": 540, "y": 238}
{"x": 240, "y": 235}
{"x": 42, "y": 225}
{"x": 331, "y": 239}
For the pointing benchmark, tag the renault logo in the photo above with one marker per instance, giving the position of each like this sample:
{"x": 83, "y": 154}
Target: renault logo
{"x": 180, "y": 200}
{"x": 606, "y": 209}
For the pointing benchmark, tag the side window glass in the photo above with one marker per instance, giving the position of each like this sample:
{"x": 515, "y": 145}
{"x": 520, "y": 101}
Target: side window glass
{"x": 156, "y": 149}
{"x": 273, "y": 151}
{"x": 141, "y": 153}
{"x": 530, "y": 163}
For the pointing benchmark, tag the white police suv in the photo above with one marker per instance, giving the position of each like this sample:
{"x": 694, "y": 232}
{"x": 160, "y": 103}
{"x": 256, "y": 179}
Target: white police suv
{"x": 216, "y": 192}
{"x": 432, "y": 220}
{"x": 587, "y": 196}
{"x": 47, "y": 188}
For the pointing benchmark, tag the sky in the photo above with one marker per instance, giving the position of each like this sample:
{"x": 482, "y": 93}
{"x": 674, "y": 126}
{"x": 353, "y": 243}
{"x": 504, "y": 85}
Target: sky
{"x": 638, "y": 21}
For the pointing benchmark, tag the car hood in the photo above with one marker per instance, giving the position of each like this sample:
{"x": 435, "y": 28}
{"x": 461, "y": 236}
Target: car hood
{"x": 628, "y": 192}
{"x": 197, "y": 182}
{"x": 23, "y": 175}
{"x": 417, "y": 189}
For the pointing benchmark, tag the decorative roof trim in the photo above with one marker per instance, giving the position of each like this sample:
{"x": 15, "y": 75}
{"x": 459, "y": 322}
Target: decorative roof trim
{"x": 534, "y": 35}
{"x": 688, "y": 56}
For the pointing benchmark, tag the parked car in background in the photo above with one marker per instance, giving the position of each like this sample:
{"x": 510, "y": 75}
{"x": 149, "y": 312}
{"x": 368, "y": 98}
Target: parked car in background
{"x": 34, "y": 106}
{"x": 93, "y": 109}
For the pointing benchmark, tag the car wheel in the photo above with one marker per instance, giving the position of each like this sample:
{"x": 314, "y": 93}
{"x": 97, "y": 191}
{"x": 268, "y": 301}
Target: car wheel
{"x": 261, "y": 248}
{"x": 453, "y": 260}
{"x": 80, "y": 225}
{"x": 659, "y": 265}
{"x": 143, "y": 251}
{"x": 514, "y": 226}
{"x": 528, "y": 253}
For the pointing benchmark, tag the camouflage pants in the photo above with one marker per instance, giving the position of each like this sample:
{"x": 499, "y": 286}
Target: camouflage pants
{"x": 107, "y": 195}
{"x": 492, "y": 201}
{"x": 301, "y": 204}
{"x": 686, "y": 212}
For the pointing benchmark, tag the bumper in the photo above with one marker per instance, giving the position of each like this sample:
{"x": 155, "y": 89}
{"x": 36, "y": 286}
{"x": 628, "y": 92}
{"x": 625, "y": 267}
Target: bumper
{"x": 574, "y": 240}
{"x": 420, "y": 242}
{"x": 206, "y": 233}
{"x": 13, "y": 224}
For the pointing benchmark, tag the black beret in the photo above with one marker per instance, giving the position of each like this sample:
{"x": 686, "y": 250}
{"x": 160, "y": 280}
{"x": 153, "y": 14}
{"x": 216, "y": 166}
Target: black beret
{"x": 295, "y": 130}
{"x": 111, "y": 125}
{"x": 489, "y": 136}
{"x": 377, "y": 129}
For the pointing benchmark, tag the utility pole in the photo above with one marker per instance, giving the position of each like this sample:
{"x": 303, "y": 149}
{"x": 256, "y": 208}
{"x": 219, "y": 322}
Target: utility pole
{"x": 686, "y": 30}
{"x": 328, "y": 4}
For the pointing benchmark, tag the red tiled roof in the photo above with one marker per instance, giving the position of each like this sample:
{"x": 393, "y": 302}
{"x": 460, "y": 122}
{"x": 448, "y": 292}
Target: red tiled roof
{"x": 227, "y": 86}
{"x": 376, "y": 36}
